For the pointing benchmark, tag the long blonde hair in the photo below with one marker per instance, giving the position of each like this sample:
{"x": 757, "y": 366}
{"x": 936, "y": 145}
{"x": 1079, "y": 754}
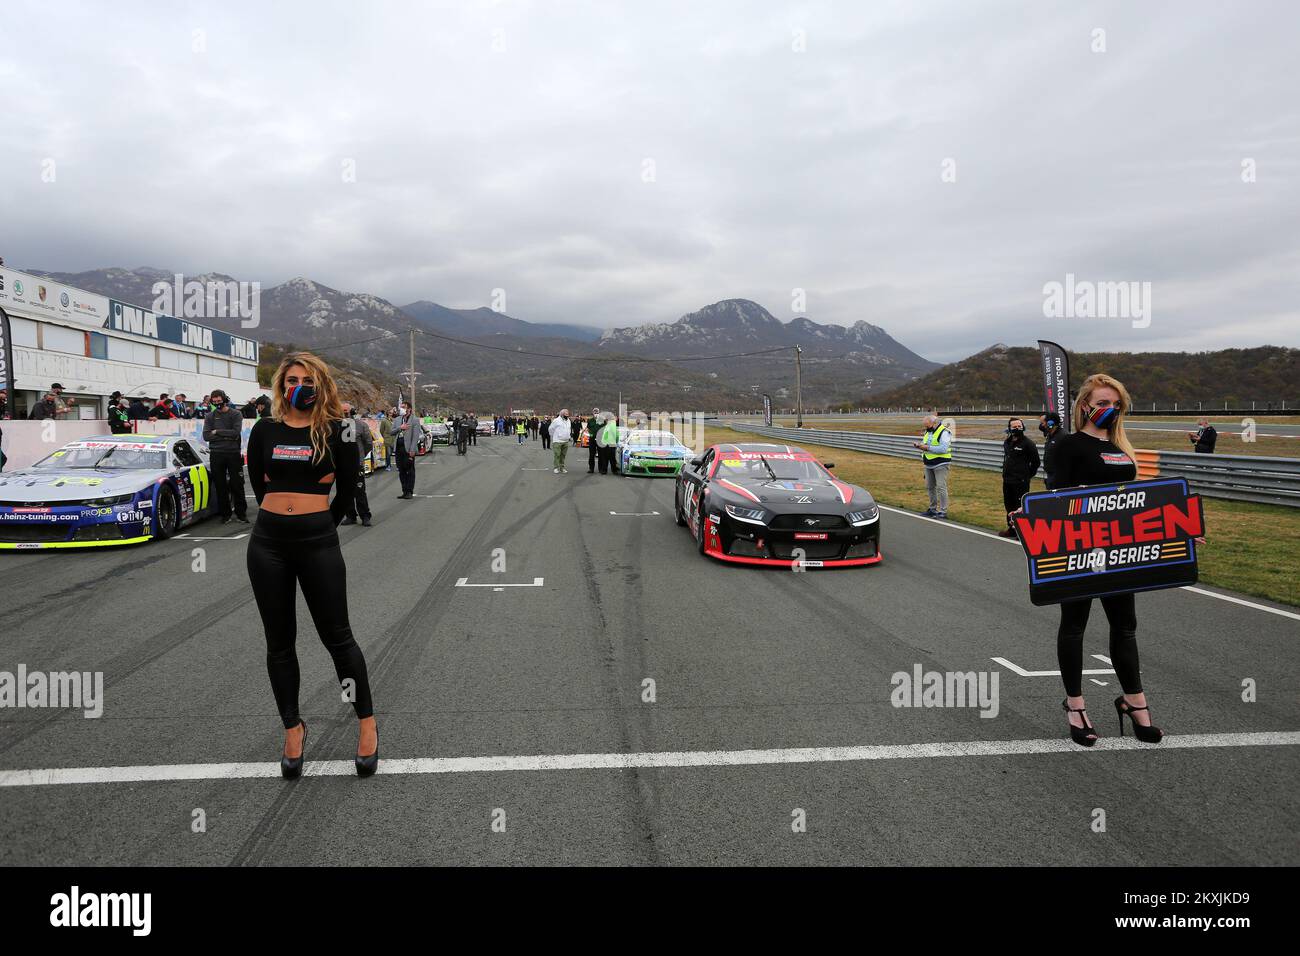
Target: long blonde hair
{"x": 327, "y": 410}
{"x": 1115, "y": 430}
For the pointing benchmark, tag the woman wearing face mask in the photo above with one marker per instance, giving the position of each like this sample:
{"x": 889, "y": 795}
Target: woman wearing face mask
{"x": 1099, "y": 453}
{"x": 294, "y": 457}
{"x": 1019, "y": 465}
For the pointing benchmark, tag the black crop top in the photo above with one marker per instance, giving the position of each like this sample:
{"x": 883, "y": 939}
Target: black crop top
{"x": 1080, "y": 459}
{"x": 280, "y": 460}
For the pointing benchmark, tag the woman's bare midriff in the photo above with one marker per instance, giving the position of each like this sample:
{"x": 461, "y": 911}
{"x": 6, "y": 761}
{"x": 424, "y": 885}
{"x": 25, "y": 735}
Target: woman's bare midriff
{"x": 297, "y": 503}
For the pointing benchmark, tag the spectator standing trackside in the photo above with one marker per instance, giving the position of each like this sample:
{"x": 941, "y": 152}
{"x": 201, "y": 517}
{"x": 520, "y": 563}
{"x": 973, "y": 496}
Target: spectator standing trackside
{"x": 607, "y": 439}
{"x": 222, "y": 430}
{"x": 593, "y": 424}
{"x": 545, "y": 429}
{"x": 1019, "y": 465}
{"x": 520, "y": 428}
{"x": 47, "y": 407}
{"x": 1204, "y": 438}
{"x": 1050, "y": 426}
{"x": 559, "y": 431}
{"x": 386, "y": 433}
{"x": 408, "y": 430}
{"x": 119, "y": 422}
{"x": 936, "y": 454}
{"x": 365, "y": 442}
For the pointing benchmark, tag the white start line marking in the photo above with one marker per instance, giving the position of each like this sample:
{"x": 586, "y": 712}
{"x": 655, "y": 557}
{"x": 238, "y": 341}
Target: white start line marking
{"x": 433, "y": 496}
{"x": 391, "y": 766}
{"x": 464, "y": 583}
{"x": 634, "y": 514}
{"x": 232, "y": 537}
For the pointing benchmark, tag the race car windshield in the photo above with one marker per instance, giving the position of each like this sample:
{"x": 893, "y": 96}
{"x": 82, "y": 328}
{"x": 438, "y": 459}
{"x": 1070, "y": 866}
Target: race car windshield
{"x": 653, "y": 438}
{"x": 114, "y": 458}
{"x": 763, "y": 466}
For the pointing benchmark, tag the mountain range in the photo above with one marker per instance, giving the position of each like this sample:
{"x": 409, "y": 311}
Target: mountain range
{"x": 689, "y": 363}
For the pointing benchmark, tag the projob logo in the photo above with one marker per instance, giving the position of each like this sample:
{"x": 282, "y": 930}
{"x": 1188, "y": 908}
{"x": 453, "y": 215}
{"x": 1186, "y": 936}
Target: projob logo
{"x": 1074, "y": 299}
{"x": 75, "y": 908}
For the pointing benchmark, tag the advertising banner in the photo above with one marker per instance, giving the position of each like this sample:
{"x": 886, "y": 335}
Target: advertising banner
{"x": 1056, "y": 381}
{"x": 767, "y": 410}
{"x": 1110, "y": 539}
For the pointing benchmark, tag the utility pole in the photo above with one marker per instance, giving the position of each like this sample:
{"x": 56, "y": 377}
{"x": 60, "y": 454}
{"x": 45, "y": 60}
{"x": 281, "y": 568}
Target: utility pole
{"x": 798, "y": 387}
{"x": 412, "y": 374}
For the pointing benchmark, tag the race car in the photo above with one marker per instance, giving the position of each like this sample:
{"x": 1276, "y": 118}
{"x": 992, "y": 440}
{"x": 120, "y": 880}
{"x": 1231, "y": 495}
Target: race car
{"x": 764, "y": 504}
{"x": 653, "y": 453}
{"x": 484, "y": 427}
{"x": 439, "y": 433}
{"x": 106, "y": 490}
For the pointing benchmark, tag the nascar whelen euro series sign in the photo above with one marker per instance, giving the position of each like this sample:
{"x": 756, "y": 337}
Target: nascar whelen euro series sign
{"x": 1110, "y": 539}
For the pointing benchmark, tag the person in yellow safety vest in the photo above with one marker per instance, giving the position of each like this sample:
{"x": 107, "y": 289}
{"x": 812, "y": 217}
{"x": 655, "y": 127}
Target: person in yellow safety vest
{"x": 936, "y": 455}
{"x": 519, "y": 430}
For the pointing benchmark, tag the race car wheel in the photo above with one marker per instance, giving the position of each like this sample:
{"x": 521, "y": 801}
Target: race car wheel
{"x": 677, "y": 510}
{"x": 167, "y": 514}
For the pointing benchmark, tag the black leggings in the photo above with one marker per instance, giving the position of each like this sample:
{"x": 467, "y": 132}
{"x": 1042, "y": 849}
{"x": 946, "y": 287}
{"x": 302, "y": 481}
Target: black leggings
{"x": 1121, "y": 614}
{"x": 290, "y": 551}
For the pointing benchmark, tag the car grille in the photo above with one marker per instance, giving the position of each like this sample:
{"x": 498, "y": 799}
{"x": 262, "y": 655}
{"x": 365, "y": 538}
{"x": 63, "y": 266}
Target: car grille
{"x": 21, "y": 534}
{"x": 797, "y": 522}
{"x": 99, "y": 532}
{"x": 813, "y": 550}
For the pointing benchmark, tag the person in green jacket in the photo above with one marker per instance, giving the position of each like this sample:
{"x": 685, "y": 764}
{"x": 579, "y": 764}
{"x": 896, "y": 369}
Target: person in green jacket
{"x": 519, "y": 430}
{"x": 386, "y": 433}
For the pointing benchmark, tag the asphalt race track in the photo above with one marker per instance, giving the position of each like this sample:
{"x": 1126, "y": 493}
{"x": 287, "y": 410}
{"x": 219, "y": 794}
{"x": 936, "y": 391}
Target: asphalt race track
{"x": 519, "y": 696}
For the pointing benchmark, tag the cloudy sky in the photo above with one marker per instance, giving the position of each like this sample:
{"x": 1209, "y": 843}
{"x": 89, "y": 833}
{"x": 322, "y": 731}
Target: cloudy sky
{"x": 619, "y": 163}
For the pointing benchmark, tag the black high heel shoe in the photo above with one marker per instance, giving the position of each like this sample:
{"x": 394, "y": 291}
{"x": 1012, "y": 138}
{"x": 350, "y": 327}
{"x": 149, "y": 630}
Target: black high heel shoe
{"x": 291, "y": 767}
{"x": 1080, "y": 734}
{"x": 367, "y": 765}
{"x": 1148, "y": 735}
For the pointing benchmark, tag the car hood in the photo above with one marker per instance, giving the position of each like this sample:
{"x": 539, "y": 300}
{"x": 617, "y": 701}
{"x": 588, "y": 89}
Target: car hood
{"x": 52, "y": 486}
{"x": 795, "y": 494}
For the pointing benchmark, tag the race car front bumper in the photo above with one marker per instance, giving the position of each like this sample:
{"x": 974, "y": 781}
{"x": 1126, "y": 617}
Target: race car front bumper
{"x": 742, "y": 543}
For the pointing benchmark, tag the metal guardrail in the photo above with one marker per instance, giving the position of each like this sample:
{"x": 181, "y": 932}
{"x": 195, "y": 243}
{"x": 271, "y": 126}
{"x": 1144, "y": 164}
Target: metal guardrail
{"x": 1274, "y": 481}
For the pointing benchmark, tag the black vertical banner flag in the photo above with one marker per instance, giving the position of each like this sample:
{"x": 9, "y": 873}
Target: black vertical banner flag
{"x": 767, "y": 410}
{"x": 1056, "y": 381}
{"x": 7, "y": 362}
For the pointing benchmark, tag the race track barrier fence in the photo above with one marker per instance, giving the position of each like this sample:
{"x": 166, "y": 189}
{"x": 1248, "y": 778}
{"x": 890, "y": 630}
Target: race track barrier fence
{"x": 1273, "y": 481}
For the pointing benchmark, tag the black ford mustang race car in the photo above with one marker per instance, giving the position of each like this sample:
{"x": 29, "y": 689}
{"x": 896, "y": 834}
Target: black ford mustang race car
{"x": 774, "y": 505}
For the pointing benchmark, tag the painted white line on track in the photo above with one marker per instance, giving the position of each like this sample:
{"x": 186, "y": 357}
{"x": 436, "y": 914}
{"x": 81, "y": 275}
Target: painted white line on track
{"x": 1024, "y": 673}
{"x": 630, "y": 761}
{"x": 464, "y": 583}
{"x": 1194, "y": 590}
{"x": 634, "y": 514}
{"x": 233, "y": 537}
{"x": 433, "y": 496}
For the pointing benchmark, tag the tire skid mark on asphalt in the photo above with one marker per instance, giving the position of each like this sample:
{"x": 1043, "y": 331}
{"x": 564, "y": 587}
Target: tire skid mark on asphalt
{"x": 118, "y": 669}
{"x": 397, "y": 656}
{"x": 642, "y": 797}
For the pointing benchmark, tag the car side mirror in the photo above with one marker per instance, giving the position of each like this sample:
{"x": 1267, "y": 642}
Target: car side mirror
{"x": 696, "y": 462}
{"x": 828, "y": 465}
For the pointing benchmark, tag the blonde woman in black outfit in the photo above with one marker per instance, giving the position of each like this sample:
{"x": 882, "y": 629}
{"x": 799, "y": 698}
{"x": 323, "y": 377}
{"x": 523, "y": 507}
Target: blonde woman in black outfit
{"x": 1099, "y": 453}
{"x": 294, "y": 457}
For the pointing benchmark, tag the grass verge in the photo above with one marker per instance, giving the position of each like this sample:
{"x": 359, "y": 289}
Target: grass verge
{"x": 1253, "y": 549}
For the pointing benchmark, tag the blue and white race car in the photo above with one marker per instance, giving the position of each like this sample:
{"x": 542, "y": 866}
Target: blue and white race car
{"x": 105, "y": 490}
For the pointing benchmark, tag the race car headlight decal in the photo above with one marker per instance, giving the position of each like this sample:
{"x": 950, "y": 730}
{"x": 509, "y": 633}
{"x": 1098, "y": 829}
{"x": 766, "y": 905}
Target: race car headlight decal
{"x": 752, "y": 515}
{"x": 859, "y": 518}
{"x": 115, "y": 500}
